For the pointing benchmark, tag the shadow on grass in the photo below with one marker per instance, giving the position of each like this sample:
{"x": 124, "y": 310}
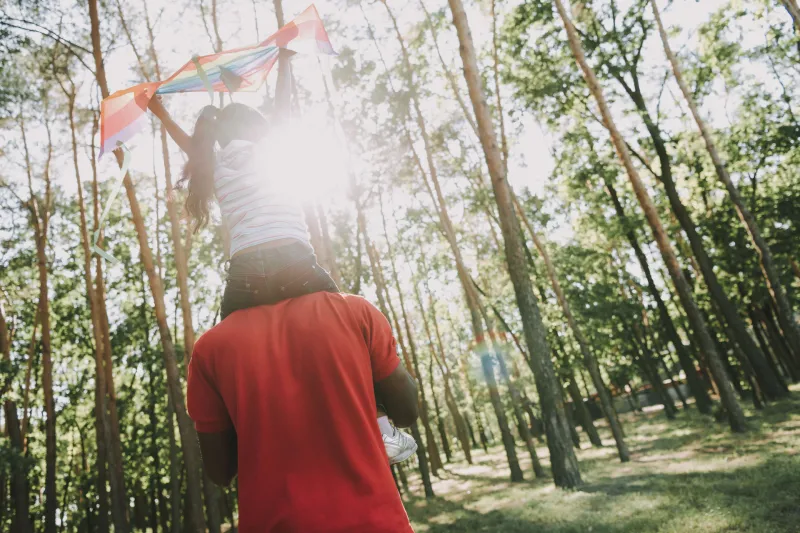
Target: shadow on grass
{"x": 759, "y": 498}
{"x": 688, "y": 475}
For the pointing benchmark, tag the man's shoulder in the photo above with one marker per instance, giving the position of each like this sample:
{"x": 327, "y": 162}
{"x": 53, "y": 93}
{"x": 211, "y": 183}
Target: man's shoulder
{"x": 210, "y": 338}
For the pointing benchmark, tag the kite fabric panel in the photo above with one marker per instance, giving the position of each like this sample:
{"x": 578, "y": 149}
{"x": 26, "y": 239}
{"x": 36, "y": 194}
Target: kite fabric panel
{"x": 123, "y": 114}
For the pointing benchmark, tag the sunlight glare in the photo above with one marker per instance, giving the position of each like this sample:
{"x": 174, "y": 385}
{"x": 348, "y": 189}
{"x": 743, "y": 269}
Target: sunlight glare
{"x": 304, "y": 160}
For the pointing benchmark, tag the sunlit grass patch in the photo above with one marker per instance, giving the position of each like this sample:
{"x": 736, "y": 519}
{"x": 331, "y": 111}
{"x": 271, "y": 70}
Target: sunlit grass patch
{"x": 688, "y": 475}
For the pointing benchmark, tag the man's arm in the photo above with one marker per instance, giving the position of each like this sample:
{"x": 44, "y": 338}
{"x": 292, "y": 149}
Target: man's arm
{"x": 220, "y": 457}
{"x": 181, "y": 138}
{"x": 393, "y": 384}
{"x": 398, "y": 393}
{"x": 215, "y": 430}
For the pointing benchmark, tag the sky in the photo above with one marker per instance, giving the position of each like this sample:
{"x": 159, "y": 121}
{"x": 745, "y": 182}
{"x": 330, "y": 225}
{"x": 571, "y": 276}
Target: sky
{"x": 180, "y": 34}
{"x": 531, "y": 162}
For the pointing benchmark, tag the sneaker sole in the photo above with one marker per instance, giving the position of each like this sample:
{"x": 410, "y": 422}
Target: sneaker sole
{"x": 403, "y": 456}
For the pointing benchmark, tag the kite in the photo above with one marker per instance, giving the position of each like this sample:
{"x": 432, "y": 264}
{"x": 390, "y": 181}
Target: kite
{"x": 122, "y": 115}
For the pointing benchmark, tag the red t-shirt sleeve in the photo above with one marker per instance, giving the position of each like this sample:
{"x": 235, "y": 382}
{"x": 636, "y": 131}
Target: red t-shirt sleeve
{"x": 380, "y": 341}
{"x": 203, "y": 401}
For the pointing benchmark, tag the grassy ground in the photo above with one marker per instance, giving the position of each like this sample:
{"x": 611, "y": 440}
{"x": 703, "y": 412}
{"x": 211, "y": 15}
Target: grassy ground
{"x": 688, "y": 475}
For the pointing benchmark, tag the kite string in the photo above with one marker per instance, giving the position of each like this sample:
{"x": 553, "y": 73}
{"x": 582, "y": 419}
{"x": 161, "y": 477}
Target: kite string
{"x": 126, "y": 161}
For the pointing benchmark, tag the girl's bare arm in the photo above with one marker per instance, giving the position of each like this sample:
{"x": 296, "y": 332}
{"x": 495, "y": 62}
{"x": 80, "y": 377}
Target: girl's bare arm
{"x": 181, "y": 138}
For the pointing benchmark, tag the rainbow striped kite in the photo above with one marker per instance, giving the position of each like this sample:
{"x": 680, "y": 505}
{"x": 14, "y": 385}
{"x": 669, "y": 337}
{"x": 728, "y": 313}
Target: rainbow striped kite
{"x": 122, "y": 115}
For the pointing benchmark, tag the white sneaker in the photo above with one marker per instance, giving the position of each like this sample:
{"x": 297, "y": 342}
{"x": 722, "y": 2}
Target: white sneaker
{"x": 399, "y": 446}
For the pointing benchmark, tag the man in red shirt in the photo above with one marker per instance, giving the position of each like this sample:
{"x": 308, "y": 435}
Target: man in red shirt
{"x": 284, "y": 395}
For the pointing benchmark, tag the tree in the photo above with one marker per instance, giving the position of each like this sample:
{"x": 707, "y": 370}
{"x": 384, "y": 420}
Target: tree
{"x": 191, "y": 449}
{"x": 734, "y": 411}
{"x": 785, "y": 316}
{"x": 562, "y": 457}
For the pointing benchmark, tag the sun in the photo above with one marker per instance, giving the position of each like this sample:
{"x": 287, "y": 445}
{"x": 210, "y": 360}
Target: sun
{"x": 305, "y": 160}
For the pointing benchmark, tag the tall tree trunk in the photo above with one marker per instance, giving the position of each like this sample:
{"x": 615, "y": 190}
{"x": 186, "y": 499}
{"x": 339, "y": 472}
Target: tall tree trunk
{"x": 189, "y": 443}
{"x": 439, "y": 420}
{"x": 562, "y": 455}
{"x": 452, "y": 406}
{"x": 794, "y": 11}
{"x": 433, "y": 448}
{"x": 451, "y": 78}
{"x": 449, "y": 399}
{"x": 785, "y": 316}
{"x": 774, "y": 336}
{"x": 498, "y": 98}
{"x": 424, "y": 465}
{"x": 327, "y": 246}
{"x": 471, "y": 297}
{"x": 211, "y": 494}
{"x": 20, "y": 521}
{"x": 154, "y": 480}
{"x": 40, "y": 218}
{"x": 175, "y": 471}
{"x": 727, "y": 395}
{"x": 698, "y": 390}
{"x": 644, "y": 357}
{"x": 524, "y": 427}
{"x": 584, "y": 416}
{"x": 114, "y": 444}
{"x": 724, "y": 307}
{"x": 283, "y": 87}
{"x": 103, "y": 431}
{"x": 181, "y": 259}
{"x": 589, "y": 358}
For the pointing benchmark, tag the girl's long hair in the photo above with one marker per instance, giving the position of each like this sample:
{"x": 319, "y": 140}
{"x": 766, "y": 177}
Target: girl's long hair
{"x": 234, "y": 121}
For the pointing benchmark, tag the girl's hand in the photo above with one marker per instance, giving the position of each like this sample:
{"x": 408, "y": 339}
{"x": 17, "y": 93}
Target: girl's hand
{"x": 157, "y": 107}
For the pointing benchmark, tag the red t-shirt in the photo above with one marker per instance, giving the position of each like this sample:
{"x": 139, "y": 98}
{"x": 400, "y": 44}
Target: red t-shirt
{"x": 296, "y": 381}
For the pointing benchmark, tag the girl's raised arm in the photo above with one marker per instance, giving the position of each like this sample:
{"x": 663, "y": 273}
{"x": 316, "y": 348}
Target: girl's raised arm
{"x": 181, "y": 138}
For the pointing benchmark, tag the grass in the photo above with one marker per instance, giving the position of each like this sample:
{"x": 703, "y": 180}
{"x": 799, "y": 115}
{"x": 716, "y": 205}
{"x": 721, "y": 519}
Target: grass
{"x": 688, "y": 475}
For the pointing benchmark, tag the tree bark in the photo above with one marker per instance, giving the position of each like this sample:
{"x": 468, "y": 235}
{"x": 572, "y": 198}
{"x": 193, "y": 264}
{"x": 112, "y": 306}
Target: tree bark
{"x": 450, "y": 401}
{"x": 114, "y": 445}
{"x": 524, "y": 428}
{"x": 471, "y": 297}
{"x": 20, "y": 521}
{"x": 40, "y": 222}
{"x": 727, "y": 395}
{"x": 189, "y": 443}
{"x": 103, "y": 432}
{"x": 562, "y": 455}
{"x": 794, "y": 11}
{"x": 174, "y": 471}
{"x": 724, "y": 307}
{"x": 451, "y": 78}
{"x": 584, "y": 418}
{"x": 439, "y": 420}
{"x": 283, "y": 87}
{"x": 424, "y": 466}
{"x": 327, "y": 246}
{"x": 698, "y": 390}
{"x": 498, "y": 99}
{"x": 768, "y": 268}
{"x": 795, "y": 268}
{"x": 589, "y": 358}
